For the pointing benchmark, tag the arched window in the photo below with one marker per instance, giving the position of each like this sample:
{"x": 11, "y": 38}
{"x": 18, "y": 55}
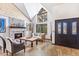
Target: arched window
{"x": 42, "y": 15}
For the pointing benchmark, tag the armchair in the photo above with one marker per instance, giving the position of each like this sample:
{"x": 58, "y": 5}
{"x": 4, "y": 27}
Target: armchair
{"x": 2, "y": 44}
{"x": 13, "y": 47}
{"x": 42, "y": 37}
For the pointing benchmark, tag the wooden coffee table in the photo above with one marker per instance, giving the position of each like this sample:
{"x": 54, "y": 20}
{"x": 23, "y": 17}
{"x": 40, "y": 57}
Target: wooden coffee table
{"x": 32, "y": 39}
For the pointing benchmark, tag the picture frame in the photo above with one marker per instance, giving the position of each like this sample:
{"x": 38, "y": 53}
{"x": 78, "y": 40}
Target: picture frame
{"x": 2, "y": 25}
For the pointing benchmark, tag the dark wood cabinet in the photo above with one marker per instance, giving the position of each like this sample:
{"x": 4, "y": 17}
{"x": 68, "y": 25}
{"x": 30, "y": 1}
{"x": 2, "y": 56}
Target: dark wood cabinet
{"x": 67, "y": 32}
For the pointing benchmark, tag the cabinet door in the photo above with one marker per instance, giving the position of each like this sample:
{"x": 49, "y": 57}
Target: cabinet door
{"x": 73, "y": 32}
{"x": 65, "y": 32}
{"x": 58, "y": 32}
{"x": 74, "y": 28}
{"x": 58, "y": 28}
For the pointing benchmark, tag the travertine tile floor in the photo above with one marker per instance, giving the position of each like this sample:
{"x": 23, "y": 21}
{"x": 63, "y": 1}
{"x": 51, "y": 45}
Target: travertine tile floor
{"x": 46, "y": 49}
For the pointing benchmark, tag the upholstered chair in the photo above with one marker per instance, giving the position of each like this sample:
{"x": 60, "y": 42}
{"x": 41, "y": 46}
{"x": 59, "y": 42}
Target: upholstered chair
{"x": 42, "y": 37}
{"x": 13, "y": 47}
{"x": 2, "y": 44}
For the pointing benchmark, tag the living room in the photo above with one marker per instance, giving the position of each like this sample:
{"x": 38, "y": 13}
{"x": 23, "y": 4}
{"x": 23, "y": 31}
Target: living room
{"x": 39, "y": 29}
{"x": 17, "y": 26}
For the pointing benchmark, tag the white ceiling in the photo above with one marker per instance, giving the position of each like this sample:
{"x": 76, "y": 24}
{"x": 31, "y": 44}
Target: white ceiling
{"x": 22, "y": 8}
{"x": 50, "y": 6}
{"x": 31, "y": 9}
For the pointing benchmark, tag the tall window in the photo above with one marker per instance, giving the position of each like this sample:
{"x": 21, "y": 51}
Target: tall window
{"x": 41, "y": 26}
{"x": 42, "y": 15}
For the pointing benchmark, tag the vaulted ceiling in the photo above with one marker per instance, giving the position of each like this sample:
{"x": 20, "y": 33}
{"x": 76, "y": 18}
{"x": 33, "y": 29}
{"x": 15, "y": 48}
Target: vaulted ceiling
{"x": 50, "y": 6}
{"x": 31, "y": 9}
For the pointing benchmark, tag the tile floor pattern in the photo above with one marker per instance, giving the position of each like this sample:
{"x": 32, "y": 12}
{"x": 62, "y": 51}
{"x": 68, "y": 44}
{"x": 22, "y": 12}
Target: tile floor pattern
{"x": 46, "y": 49}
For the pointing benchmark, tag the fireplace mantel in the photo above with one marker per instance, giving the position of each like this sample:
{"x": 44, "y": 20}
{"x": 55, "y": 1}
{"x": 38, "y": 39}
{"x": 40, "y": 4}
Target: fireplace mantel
{"x": 17, "y": 27}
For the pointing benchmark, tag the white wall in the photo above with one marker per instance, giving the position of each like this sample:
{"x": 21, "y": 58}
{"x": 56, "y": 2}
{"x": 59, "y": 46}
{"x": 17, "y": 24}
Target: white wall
{"x": 34, "y": 23}
{"x": 49, "y": 24}
{"x": 67, "y": 10}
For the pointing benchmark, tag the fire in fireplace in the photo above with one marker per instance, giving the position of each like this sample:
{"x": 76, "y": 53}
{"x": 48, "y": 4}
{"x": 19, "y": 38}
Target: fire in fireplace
{"x": 18, "y": 35}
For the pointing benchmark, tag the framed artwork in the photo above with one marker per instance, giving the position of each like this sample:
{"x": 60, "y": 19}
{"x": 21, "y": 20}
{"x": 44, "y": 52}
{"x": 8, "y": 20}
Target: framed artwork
{"x": 2, "y": 25}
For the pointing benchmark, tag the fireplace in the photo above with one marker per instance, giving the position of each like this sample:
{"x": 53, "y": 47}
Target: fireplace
{"x": 18, "y": 35}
